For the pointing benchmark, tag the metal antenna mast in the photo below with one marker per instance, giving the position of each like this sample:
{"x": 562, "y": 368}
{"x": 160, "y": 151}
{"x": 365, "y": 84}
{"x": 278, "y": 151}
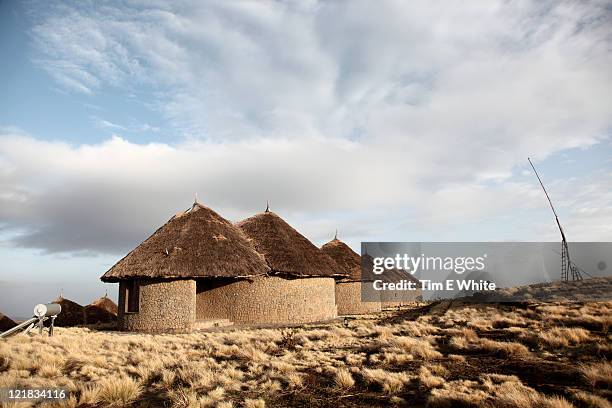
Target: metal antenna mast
{"x": 567, "y": 267}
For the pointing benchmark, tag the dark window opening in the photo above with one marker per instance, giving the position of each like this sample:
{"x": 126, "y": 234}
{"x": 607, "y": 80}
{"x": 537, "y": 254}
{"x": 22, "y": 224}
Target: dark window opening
{"x": 132, "y": 296}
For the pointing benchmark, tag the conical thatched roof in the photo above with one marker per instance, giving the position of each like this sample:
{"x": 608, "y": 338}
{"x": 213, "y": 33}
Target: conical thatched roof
{"x": 72, "y": 313}
{"x": 285, "y": 250}
{"x": 345, "y": 257}
{"x": 6, "y": 323}
{"x": 102, "y": 310}
{"x": 195, "y": 243}
{"x": 106, "y": 303}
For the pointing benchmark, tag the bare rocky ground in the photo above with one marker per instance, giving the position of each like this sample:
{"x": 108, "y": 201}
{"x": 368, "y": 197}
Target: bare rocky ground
{"x": 443, "y": 354}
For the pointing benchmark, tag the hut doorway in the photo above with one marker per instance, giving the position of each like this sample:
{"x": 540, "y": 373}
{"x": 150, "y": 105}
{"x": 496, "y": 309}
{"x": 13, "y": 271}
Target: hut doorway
{"x": 132, "y": 296}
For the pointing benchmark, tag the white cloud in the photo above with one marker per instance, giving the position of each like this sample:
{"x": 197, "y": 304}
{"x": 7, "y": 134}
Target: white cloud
{"x": 345, "y": 109}
{"x": 108, "y": 196}
{"x": 504, "y": 74}
{"x": 132, "y": 127}
{"x": 107, "y": 124}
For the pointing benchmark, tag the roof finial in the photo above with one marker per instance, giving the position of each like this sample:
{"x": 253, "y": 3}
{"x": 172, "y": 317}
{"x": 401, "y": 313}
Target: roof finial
{"x": 336, "y": 236}
{"x": 61, "y": 293}
{"x": 267, "y": 206}
{"x": 195, "y": 199}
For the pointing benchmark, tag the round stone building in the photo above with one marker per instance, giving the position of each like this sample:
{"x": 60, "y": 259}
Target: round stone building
{"x": 298, "y": 289}
{"x": 200, "y": 267}
{"x": 159, "y": 279}
{"x": 349, "y": 289}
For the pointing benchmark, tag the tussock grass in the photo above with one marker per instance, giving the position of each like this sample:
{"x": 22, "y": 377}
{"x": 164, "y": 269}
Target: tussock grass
{"x": 564, "y": 337}
{"x": 504, "y": 392}
{"x": 598, "y": 374}
{"x": 513, "y": 394}
{"x": 344, "y": 379}
{"x": 420, "y": 349}
{"x": 589, "y": 400}
{"x": 390, "y": 382}
{"x": 556, "y": 338}
{"x": 254, "y": 403}
{"x": 90, "y": 395}
{"x": 184, "y": 397}
{"x": 118, "y": 391}
{"x": 508, "y": 349}
{"x": 503, "y": 322}
{"x": 456, "y": 357}
{"x": 464, "y": 393}
{"x": 295, "y": 380}
{"x": 435, "y": 356}
{"x": 469, "y": 341}
{"x": 429, "y": 380}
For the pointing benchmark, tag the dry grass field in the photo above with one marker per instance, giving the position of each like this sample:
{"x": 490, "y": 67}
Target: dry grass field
{"x": 438, "y": 355}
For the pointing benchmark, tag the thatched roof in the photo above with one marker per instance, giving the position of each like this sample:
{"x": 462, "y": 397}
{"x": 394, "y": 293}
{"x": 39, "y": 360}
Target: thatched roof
{"x": 6, "y": 323}
{"x": 72, "y": 313}
{"x": 107, "y": 304}
{"x": 285, "y": 250}
{"x": 194, "y": 243}
{"x": 102, "y": 310}
{"x": 345, "y": 257}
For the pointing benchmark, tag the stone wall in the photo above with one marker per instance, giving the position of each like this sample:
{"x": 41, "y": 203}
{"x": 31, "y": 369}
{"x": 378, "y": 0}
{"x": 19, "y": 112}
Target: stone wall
{"x": 267, "y": 299}
{"x": 165, "y": 306}
{"x": 348, "y": 300}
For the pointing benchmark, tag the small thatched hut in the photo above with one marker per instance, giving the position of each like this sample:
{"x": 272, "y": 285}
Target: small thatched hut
{"x": 6, "y": 323}
{"x": 348, "y": 290}
{"x": 72, "y": 313}
{"x": 194, "y": 251}
{"x": 102, "y": 310}
{"x": 298, "y": 289}
{"x": 107, "y": 304}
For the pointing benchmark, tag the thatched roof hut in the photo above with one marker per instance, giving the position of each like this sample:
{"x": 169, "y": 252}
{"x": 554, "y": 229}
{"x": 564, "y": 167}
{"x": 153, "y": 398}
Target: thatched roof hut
{"x": 158, "y": 280}
{"x": 200, "y": 267}
{"x": 286, "y": 251}
{"x": 6, "y": 323}
{"x": 102, "y": 310}
{"x": 196, "y": 243}
{"x": 72, "y": 313}
{"x": 349, "y": 297}
{"x": 106, "y": 303}
{"x": 299, "y": 288}
{"x": 347, "y": 259}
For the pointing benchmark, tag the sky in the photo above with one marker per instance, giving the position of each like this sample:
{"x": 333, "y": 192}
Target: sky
{"x": 389, "y": 121}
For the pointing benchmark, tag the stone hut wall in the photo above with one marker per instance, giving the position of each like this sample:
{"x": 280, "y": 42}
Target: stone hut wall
{"x": 165, "y": 306}
{"x": 348, "y": 300}
{"x": 267, "y": 299}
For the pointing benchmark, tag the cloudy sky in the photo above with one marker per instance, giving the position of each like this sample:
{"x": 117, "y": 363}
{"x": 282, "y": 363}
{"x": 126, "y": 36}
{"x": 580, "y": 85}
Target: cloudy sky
{"x": 391, "y": 121}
